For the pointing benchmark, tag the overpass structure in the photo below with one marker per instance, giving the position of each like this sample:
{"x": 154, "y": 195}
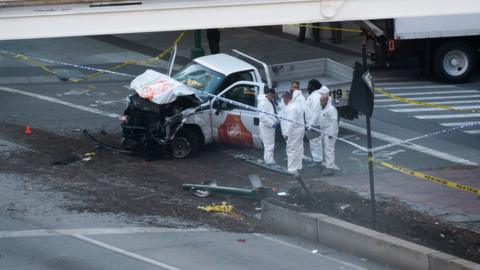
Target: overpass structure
{"x": 22, "y": 19}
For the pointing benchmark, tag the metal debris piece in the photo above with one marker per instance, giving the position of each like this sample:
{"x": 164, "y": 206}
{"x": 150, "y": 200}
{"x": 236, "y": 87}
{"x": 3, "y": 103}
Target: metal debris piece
{"x": 258, "y": 191}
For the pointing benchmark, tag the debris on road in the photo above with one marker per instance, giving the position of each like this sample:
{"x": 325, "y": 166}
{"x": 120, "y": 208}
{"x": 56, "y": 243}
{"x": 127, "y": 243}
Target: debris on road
{"x": 223, "y": 208}
{"x": 258, "y": 192}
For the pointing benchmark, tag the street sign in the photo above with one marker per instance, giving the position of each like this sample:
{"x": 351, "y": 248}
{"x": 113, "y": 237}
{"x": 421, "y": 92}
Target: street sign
{"x": 361, "y": 91}
{"x": 368, "y": 79}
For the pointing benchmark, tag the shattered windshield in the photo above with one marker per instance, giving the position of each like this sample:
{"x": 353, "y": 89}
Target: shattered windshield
{"x": 199, "y": 77}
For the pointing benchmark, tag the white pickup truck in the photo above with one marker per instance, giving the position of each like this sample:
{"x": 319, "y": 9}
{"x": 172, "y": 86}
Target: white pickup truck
{"x": 188, "y": 119}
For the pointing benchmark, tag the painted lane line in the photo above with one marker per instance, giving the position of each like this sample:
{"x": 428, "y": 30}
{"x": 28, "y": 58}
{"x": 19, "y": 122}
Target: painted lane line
{"x": 473, "y": 132}
{"x": 278, "y": 241}
{"x": 58, "y": 101}
{"x": 403, "y": 83}
{"x": 428, "y": 98}
{"x": 446, "y": 116}
{"x": 431, "y": 93}
{"x": 13, "y": 146}
{"x": 455, "y": 124}
{"x": 418, "y": 87}
{"x": 409, "y": 145}
{"x": 437, "y": 102}
{"x": 124, "y": 252}
{"x": 434, "y": 109}
{"x": 95, "y": 231}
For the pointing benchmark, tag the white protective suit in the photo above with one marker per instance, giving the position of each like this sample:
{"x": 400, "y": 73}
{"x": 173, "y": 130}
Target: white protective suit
{"x": 267, "y": 129}
{"x": 312, "y": 110}
{"x": 328, "y": 122}
{"x": 298, "y": 97}
{"x": 294, "y": 133}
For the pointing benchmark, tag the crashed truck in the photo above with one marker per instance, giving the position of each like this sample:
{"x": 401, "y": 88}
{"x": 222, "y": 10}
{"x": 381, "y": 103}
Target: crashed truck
{"x": 181, "y": 113}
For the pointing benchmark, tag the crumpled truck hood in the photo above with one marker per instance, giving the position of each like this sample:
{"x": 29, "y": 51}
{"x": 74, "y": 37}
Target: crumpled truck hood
{"x": 160, "y": 88}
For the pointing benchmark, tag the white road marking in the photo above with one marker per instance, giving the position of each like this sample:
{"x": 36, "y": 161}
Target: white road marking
{"x": 93, "y": 231}
{"x": 418, "y": 87}
{"x": 472, "y": 131}
{"x": 124, "y": 252}
{"x": 428, "y": 98}
{"x": 437, "y": 102}
{"x": 58, "y": 101}
{"x": 434, "y": 109}
{"x": 9, "y": 146}
{"x": 455, "y": 124}
{"x": 278, "y": 241}
{"x": 402, "y": 83}
{"x": 446, "y": 116}
{"x": 412, "y": 146}
{"x": 432, "y": 93}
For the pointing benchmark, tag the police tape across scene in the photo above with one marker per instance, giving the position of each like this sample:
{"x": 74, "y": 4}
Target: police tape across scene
{"x": 430, "y": 178}
{"x": 97, "y": 72}
{"x": 103, "y": 71}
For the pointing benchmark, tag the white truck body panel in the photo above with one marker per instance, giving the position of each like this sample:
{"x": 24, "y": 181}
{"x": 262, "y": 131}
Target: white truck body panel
{"x": 228, "y": 123}
{"x": 437, "y": 26}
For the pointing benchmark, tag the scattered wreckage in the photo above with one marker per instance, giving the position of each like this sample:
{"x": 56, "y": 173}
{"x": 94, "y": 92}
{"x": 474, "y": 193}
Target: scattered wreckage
{"x": 180, "y": 113}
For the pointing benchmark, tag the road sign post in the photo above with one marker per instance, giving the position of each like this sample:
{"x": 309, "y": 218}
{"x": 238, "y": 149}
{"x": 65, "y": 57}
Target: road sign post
{"x": 361, "y": 99}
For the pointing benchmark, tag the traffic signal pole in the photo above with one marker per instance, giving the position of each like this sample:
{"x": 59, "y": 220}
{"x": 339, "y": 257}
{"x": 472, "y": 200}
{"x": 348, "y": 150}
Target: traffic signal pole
{"x": 197, "y": 50}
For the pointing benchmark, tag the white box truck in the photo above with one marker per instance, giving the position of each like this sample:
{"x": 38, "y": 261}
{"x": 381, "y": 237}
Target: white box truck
{"x": 446, "y": 46}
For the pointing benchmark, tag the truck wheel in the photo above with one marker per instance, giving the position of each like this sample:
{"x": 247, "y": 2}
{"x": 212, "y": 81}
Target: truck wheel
{"x": 185, "y": 144}
{"x": 454, "y": 62}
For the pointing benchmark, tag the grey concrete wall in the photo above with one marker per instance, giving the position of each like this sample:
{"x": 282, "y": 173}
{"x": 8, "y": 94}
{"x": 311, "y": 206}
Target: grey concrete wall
{"x": 358, "y": 240}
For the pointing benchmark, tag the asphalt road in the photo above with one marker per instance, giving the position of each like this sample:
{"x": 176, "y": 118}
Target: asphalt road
{"x": 33, "y": 97}
{"x": 37, "y": 233}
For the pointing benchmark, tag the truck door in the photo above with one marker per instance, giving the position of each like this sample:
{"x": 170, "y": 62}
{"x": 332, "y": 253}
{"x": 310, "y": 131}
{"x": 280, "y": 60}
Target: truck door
{"x": 235, "y": 124}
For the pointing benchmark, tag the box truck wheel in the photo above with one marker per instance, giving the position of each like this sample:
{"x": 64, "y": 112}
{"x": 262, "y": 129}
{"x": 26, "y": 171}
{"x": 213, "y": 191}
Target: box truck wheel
{"x": 454, "y": 61}
{"x": 185, "y": 144}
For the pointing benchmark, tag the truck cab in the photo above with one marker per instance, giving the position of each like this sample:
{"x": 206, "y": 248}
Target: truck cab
{"x": 218, "y": 121}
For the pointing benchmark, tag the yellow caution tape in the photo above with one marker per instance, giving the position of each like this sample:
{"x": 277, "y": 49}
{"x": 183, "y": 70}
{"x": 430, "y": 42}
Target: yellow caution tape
{"x": 328, "y": 28}
{"x": 430, "y": 178}
{"x": 28, "y": 59}
{"x": 416, "y": 102}
{"x": 224, "y": 208}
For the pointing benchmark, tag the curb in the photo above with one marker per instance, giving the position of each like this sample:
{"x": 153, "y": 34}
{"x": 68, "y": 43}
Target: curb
{"x": 358, "y": 240}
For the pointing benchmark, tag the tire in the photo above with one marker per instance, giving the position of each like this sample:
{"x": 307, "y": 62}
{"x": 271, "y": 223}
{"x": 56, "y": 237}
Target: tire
{"x": 185, "y": 144}
{"x": 454, "y": 62}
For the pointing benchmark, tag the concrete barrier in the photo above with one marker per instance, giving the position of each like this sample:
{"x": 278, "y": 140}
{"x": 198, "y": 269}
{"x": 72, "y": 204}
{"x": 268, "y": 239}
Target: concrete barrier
{"x": 358, "y": 240}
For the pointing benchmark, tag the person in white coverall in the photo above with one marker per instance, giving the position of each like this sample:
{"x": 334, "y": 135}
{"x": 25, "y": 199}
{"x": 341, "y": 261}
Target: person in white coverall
{"x": 328, "y": 122}
{"x": 313, "y": 109}
{"x": 294, "y": 87}
{"x": 268, "y": 123}
{"x": 292, "y": 132}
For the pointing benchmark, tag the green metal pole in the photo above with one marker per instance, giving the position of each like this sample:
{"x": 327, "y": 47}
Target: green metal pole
{"x": 197, "y": 50}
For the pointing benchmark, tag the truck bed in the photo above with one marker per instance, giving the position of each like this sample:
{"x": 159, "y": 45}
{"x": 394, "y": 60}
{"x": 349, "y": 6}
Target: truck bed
{"x": 330, "y": 73}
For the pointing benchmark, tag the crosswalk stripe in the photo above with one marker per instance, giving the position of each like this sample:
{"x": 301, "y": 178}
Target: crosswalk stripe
{"x": 401, "y": 83}
{"x": 446, "y": 116}
{"x": 433, "y": 93}
{"x": 454, "y": 124}
{"x": 434, "y": 109}
{"x": 472, "y": 131}
{"x": 418, "y": 87}
{"x": 438, "y": 102}
{"x": 428, "y": 98}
